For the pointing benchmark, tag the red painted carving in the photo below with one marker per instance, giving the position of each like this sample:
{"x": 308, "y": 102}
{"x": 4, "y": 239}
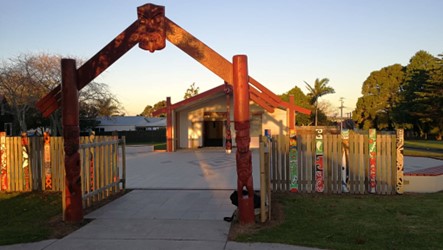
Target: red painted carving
{"x": 73, "y": 211}
{"x": 169, "y": 146}
{"x": 91, "y": 162}
{"x": 3, "y": 164}
{"x": 72, "y": 168}
{"x": 242, "y": 139}
{"x": 47, "y": 160}
{"x": 151, "y": 29}
{"x": 228, "y": 92}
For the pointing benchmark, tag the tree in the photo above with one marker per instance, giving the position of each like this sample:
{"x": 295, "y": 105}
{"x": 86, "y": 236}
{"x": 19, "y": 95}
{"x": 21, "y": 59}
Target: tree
{"x": 21, "y": 82}
{"x": 27, "y": 78}
{"x": 301, "y": 100}
{"x": 150, "y": 109}
{"x": 326, "y": 107}
{"x": 320, "y": 89}
{"x": 429, "y": 100}
{"x": 380, "y": 95}
{"x": 97, "y": 100}
{"x": 147, "y": 112}
{"x": 417, "y": 94}
{"x": 191, "y": 91}
{"x": 108, "y": 107}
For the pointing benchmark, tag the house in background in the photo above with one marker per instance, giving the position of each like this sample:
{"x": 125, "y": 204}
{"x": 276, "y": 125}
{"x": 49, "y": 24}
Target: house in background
{"x": 201, "y": 121}
{"x": 129, "y": 123}
{"x": 6, "y": 118}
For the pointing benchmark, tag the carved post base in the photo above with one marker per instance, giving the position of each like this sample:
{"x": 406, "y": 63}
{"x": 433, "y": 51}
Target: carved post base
{"x": 243, "y": 155}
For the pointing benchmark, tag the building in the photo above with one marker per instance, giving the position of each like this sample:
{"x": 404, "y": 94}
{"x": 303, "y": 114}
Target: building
{"x": 6, "y": 118}
{"x": 202, "y": 120}
{"x": 129, "y": 123}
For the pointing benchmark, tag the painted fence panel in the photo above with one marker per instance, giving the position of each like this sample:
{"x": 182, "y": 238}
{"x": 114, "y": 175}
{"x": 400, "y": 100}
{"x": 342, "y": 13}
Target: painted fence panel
{"x": 357, "y": 161}
{"x": 101, "y": 170}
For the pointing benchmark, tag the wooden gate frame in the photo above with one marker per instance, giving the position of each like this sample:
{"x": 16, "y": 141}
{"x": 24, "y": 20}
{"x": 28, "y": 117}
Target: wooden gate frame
{"x": 150, "y": 31}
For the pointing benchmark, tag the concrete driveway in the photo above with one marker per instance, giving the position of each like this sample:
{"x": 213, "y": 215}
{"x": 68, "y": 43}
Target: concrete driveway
{"x": 185, "y": 169}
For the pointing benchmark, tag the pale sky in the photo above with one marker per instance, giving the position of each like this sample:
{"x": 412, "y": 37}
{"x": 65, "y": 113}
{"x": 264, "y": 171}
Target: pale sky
{"x": 287, "y": 42}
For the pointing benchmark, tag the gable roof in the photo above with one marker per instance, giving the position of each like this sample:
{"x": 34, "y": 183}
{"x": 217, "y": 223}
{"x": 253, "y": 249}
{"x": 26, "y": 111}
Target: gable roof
{"x": 255, "y": 95}
{"x": 137, "y": 121}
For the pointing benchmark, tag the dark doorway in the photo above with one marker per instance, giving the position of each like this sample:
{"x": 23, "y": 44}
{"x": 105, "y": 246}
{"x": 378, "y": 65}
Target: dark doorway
{"x": 213, "y": 134}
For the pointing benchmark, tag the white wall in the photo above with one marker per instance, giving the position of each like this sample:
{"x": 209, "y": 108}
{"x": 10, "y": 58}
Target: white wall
{"x": 191, "y": 122}
{"x": 276, "y": 122}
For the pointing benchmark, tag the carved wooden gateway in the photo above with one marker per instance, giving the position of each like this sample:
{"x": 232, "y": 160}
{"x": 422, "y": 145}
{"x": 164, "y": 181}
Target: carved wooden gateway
{"x": 150, "y": 31}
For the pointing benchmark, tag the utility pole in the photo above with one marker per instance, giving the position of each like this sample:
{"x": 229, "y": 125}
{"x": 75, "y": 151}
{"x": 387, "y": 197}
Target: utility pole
{"x": 341, "y": 111}
{"x": 341, "y": 107}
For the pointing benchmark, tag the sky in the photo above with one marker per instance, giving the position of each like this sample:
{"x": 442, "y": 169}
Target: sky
{"x": 287, "y": 42}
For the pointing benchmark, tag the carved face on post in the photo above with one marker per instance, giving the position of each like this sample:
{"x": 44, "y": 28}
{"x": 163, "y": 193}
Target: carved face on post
{"x": 151, "y": 29}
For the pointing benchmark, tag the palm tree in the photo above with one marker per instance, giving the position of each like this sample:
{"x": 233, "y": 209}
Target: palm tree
{"x": 320, "y": 88}
{"x": 108, "y": 107}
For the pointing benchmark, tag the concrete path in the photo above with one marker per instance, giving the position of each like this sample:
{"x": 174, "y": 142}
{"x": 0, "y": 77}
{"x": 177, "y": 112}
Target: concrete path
{"x": 179, "y": 202}
{"x": 185, "y": 169}
{"x": 156, "y": 219}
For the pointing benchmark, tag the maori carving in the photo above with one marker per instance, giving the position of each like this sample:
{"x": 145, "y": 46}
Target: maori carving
{"x": 47, "y": 160}
{"x": 152, "y": 28}
{"x": 242, "y": 138}
{"x": 25, "y": 165}
{"x": 91, "y": 162}
{"x": 400, "y": 163}
{"x": 228, "y": 92}
{"x": 3, "y": 164}
{"x": 319, "y": 175}
{"x": 293, "y": 161}
{"x": 344, "y": 161}
{"x": 72, "y": 158}
{"x": 244, "y": 160}
{"x": 372, "y": 160}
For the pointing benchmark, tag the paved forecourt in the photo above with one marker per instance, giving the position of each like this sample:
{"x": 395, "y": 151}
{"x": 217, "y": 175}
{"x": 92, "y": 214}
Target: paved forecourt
{"x": 186, "y": 169}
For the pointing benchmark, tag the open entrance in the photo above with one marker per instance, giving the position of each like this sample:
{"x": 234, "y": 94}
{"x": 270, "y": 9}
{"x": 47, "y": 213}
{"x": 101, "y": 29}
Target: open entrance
{"x": 213, "y": 134}
{"x": 150, "y": 31}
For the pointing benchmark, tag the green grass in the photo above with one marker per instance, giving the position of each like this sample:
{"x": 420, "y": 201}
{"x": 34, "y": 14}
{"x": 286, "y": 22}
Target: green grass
{"x": 422, "y": 153}
{"x": 410, "y": 221}
{"x": 157, "y": 145}
{"x": 426, "y": 144}
{"x": 24, "y": 216}
{"x": 160, "y": 146}
{"x": 424, "y": 148}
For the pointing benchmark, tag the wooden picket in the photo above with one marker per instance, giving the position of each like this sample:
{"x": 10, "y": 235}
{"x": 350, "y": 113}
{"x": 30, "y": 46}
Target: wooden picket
{"x": 358, "y": 162}
{"x": 108, "y": 169}
{"x": 104, "y": 178}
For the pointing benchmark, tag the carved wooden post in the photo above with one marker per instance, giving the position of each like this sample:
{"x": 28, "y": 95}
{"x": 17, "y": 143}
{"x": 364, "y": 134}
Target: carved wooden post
{"x": 400, "y": 161}
{"x": 3, "y": 163}
{"x": 73, "y": 211}
{"x": 47, "y": 160}
{"x": 25, "y": 165}
{"x": 293, "y": 159}
{"x": 168, "y": 125}
{"x": 243, "y": 155}
{"x": 228, "y": 145}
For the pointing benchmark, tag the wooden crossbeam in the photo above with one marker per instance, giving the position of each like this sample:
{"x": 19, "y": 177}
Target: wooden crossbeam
{"x": 93, "y": 67}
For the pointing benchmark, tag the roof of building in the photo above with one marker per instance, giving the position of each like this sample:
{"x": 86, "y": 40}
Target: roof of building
{"x": 261, "y": 98}
{"x": 137, "y": 121}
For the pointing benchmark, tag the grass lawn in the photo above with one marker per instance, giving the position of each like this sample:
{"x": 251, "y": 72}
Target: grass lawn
{"x": 160, "y": 146}
{"x": 157, "y": 145}
{"x": 410, "y": 221}
{"x": 27, "y": 217}
{"x": 426, "y": 144}
{"x": 424, "y": 148}
{"x": 36, "y": 216}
